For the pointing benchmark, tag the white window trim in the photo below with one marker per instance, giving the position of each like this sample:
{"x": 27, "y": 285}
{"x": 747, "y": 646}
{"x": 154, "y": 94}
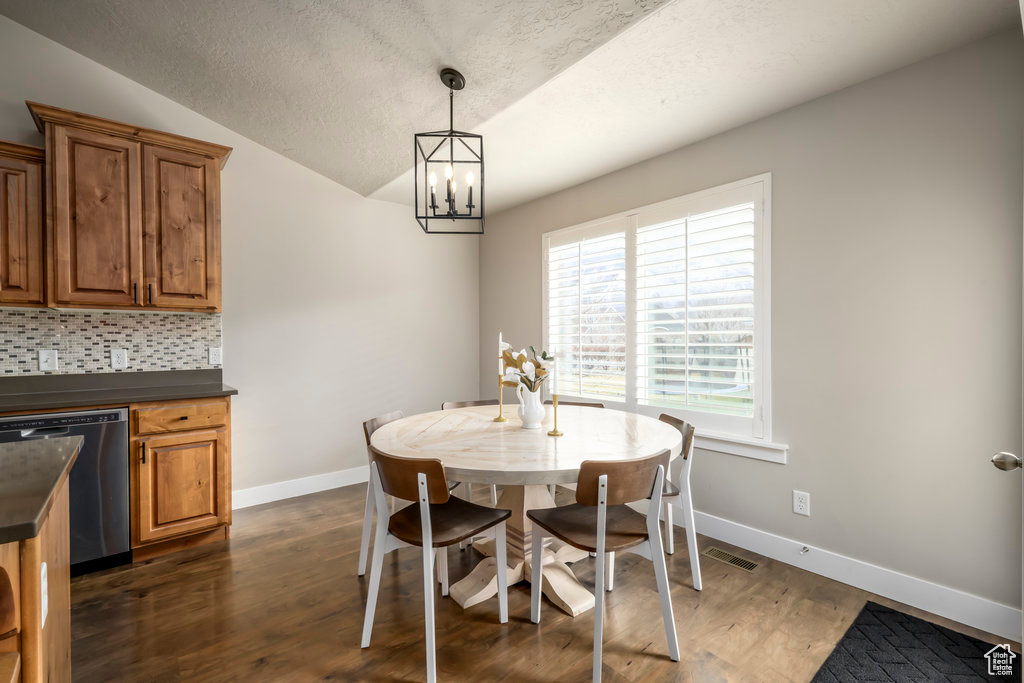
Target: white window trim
{"x": 760, "y": 445}
{"x": 732, "y": 444}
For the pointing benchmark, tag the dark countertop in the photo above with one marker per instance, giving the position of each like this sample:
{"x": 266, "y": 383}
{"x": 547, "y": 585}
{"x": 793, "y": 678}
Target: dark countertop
{"x": 42, "y": 392}
{"x": 30, "y": 474}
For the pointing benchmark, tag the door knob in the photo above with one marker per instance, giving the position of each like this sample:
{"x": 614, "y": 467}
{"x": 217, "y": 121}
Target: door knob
{"x": 1006, "y": 461}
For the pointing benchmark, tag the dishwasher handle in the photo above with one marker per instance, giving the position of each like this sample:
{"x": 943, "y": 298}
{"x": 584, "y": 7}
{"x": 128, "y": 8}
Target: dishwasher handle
{"x": 44, "y": 432}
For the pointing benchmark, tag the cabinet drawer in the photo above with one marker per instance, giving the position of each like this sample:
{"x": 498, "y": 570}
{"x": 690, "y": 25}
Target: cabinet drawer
{"x": 181, "y": 417}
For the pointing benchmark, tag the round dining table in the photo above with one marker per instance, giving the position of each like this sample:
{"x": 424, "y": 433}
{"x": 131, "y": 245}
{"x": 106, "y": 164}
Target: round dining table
{"x": 475, "y": 449}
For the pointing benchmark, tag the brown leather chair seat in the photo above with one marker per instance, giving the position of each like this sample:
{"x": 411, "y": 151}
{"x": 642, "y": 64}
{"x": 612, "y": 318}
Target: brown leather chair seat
{"x": 450, "y": 522}
{"x": 577, "y": 525}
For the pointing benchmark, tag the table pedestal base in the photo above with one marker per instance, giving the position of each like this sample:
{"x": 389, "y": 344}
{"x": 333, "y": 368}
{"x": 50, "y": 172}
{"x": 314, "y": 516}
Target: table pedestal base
{"x": 559, "y": 583}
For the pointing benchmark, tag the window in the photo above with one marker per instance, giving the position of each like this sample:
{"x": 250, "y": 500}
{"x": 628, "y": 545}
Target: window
{"x": 587, "y": 315}
{"x": 666, "y": 307}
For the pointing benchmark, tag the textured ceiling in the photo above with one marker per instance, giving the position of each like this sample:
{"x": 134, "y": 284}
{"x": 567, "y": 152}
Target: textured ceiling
{"x": 697, "y": 68}
{"x": 338, "y": 85}
{"x": 563, "y": 90}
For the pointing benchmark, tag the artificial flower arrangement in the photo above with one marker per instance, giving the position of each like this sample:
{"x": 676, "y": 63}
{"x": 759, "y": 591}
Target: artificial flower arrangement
{"x": 522, "y": 369}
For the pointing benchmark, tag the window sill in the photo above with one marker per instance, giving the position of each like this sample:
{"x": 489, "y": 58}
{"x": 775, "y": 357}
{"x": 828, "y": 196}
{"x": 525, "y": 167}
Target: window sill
{"x": 743, "y": 446}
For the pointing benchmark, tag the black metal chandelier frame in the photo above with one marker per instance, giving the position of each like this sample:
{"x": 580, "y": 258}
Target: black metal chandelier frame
{"x": 440, "y": 152}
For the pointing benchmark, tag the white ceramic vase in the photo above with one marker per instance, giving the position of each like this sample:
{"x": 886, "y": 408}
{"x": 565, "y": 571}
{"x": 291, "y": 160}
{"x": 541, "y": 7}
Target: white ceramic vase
{"x": 531, "y": 410}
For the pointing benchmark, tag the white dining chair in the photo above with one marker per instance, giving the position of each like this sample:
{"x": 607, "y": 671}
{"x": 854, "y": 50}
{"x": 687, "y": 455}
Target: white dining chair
{"x": 600, "y": 521}
{"x": 683, "y": 493}
{"x": 669, "y": 495}
{"x": 369, "y": 427}
{"x": 435, "y": 521}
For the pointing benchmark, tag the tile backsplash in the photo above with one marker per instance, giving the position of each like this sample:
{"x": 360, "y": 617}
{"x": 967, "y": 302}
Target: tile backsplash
{"x": 83, "y": 339}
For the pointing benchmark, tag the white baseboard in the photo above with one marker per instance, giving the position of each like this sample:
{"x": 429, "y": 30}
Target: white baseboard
{"x": 257, "y": 495}
{"x": 965, "y": 608}
{"x": 981, "y": 613}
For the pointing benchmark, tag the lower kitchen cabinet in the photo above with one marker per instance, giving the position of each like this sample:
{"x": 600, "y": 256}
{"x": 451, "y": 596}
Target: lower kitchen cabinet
{"x": 182, "y": 485}
{"x": 181, "y": 479}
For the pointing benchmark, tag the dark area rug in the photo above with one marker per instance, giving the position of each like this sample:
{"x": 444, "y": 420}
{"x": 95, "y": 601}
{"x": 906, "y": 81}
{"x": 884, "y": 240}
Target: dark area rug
{"x": 886, "y": 645}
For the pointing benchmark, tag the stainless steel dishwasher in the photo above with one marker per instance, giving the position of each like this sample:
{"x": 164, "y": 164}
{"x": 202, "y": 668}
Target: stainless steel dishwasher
{"x": 97, "y": 485}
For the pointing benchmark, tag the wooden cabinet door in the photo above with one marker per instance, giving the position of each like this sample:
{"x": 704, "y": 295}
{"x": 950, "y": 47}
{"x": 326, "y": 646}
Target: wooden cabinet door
{"x": 182, "y": 229}
{"x": 97, "y": 218}
{"x": 21, "y": 230}
{"x": 183, "y": 484}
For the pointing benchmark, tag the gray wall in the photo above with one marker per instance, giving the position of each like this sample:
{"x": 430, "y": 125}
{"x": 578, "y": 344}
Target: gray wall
{"x": 896, "y": 304}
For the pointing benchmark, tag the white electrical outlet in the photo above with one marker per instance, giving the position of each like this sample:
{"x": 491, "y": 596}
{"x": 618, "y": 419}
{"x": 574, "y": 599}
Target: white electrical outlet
{"x": 216, "y": 355}
{"x": 802, "y": 503}
{"x": 119, "y": 359}
{"x": 48, "y": 360}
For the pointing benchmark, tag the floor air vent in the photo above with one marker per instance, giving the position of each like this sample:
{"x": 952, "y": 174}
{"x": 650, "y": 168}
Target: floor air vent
{"x": 729, "y": 558}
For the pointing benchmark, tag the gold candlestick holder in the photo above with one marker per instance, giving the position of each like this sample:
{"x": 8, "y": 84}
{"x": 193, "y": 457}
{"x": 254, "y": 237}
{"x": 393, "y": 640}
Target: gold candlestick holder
{"x": 501, "y": 409}
{"x": 554, "y": 403}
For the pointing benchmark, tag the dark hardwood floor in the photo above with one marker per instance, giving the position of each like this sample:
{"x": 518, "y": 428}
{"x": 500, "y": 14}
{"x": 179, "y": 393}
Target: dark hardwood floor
{"x": 281, "y": 601}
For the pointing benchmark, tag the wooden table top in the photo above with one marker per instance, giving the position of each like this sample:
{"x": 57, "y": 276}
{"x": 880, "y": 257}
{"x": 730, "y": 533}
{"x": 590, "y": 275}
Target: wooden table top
{"x": 474, "y": 448}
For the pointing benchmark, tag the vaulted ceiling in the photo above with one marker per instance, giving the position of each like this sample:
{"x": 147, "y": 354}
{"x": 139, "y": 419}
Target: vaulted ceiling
{"x": 563, "y": 90}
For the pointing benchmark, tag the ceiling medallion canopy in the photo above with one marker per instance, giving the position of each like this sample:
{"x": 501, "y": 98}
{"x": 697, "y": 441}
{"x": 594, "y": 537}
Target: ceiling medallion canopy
{"x": 456, "y": 160}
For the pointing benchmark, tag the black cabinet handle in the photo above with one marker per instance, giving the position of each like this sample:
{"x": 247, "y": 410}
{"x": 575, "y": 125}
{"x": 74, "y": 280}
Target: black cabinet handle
{"x": 183, "y": 417}
{"x": 143, "y": 452}
{"x": 135, "y": 292}
{"x": 150, "y": 293}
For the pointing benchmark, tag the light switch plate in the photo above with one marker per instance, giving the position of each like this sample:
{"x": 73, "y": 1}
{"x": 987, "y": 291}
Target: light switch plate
{"x": 48, "y": 360}
{"x": 119, "y": 359}
{"x": 216, "y": 355}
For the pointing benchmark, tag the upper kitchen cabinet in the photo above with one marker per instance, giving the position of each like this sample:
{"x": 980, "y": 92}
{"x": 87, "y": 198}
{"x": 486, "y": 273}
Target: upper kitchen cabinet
{"x": 21, "y": 225}
{"x": 133, "y": 215}
{"x": 95, "y": 227}
{"x": 181, "y": 228}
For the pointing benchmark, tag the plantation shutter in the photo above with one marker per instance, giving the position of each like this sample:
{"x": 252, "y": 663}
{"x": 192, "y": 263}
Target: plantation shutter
{"x": 695, "y": 311}
{"x": 667, "y": 307}
{"x": 586, "y": 300}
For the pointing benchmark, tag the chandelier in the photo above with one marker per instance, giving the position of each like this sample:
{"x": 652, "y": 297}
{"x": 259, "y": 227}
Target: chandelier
{"x": 449, "y": 174}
